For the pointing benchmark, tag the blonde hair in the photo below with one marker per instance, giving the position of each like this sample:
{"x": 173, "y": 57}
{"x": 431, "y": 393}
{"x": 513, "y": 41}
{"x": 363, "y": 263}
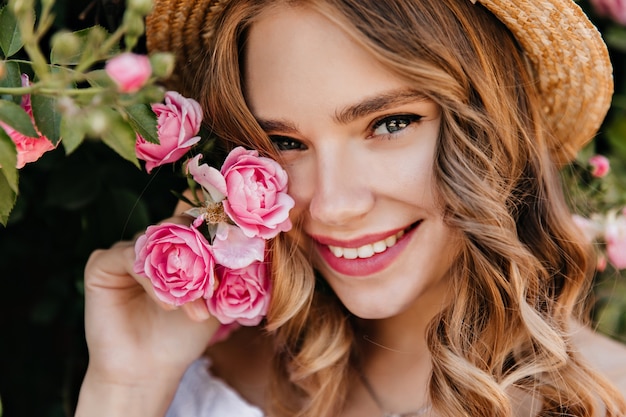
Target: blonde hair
{"x": 522, "y": 275}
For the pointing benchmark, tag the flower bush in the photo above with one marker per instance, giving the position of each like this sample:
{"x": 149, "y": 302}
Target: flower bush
{"x": 81, "y": 189}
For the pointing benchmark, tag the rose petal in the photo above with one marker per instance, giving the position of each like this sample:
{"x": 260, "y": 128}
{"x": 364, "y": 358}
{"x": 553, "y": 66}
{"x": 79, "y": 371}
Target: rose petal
{"x": 233, "y": 249}
{"x": 208, "y": 177}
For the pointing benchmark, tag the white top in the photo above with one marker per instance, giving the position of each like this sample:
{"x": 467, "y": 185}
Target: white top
{"x": 201, "y": 394}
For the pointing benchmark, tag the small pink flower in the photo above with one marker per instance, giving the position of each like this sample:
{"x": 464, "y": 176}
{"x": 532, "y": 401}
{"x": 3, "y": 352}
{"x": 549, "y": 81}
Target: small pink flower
{"x": 600, "y": 166}
{"x": 129, "y": 71}
{"x": 601, "y": 263}
{"x": 615, "y": 9}
{"x": 178, "y": 261}
{"x": 589, "y": 228}
{"x": 209, "y": 178}
{"x": 615, "y": 237}
{"x": 242, "y": 295}
{"x": 257, "y": 199}
{"x": 178, "y": 123}
{"x": 29, "y": 149}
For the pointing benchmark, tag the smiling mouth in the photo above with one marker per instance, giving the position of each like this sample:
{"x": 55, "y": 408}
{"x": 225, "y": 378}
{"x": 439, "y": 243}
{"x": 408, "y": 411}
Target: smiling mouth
{"x": 369, "y": 250}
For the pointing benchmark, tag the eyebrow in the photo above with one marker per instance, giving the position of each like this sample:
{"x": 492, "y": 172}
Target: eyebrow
{"x": 369, "y": 105}
{"x": 378, "y": 103}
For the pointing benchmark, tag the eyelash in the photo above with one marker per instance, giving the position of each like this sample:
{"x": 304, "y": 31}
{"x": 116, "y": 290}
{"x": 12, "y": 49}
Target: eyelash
{"x": 401, "y": 121}
{"x": 285, "y": 143}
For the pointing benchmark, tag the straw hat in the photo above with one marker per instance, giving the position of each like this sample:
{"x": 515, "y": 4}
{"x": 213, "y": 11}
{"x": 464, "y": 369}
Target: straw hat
{"x": 570, "y": 60}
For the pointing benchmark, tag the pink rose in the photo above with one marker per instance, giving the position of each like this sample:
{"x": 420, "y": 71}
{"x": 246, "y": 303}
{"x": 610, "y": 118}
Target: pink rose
{"x": 600, "y": 165}
{"x": 178, "y": 123}
{"x": 615, "y": 237}
{"x": 242, "y": 295}
{"x": 129, "y": 71}
{"x": 178, "y": 261}
{"x": 615, "y": 9}
{"x": 257, "y": 199}
{"x": 29, "y": 149}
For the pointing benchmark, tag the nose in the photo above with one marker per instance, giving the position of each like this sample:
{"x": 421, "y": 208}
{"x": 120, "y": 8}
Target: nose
{"x": 342, "y": 193}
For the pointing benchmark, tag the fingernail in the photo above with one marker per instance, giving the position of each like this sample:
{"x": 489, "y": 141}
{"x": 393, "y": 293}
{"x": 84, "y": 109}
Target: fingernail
{"x": 201, "y": 312}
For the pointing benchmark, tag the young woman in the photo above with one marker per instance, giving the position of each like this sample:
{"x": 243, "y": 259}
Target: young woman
{"x": 433, "y": 268}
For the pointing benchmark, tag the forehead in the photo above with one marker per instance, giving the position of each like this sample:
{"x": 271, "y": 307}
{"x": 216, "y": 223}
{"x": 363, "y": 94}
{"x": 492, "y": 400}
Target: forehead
{"x": 295, "y": 54}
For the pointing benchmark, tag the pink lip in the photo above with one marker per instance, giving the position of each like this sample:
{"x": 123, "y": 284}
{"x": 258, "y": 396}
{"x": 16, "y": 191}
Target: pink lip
{"x": 367, "y": 266}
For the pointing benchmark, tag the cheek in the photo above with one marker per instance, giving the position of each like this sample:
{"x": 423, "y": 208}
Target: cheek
{"x": 301, "y": 185}
{"x": 406, "y": 177}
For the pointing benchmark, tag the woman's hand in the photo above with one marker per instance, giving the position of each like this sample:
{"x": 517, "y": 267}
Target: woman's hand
{"x": 138, "y": 346}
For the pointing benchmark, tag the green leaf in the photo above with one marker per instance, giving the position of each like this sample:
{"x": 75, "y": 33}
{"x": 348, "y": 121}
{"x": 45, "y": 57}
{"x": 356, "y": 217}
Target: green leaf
{"x": 120, "y": 137}
{"x": 47, "y": 117}
{"x": 616, "y": 134}
{"x": 72, "y": 133}
{"x": 99, "y": 78}
{"x": 144, "y": 121}
{"x": 616, "y": 37}
{"x": 8, "y": 160}
{"x": 8, "y": 176}
{"x": 10, "y": 37}
{"x": 15, "y": 116}
{"x": 7, "y": 199}
{"x": 12, "y": 78}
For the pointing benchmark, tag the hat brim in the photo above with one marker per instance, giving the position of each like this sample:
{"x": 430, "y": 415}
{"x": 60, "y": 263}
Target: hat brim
{"x": 571, "y": 63}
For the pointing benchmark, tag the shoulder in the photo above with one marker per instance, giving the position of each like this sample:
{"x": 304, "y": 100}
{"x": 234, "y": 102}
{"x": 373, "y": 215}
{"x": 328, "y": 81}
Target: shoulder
{"x": 230, "y": 380}
{"x": 202, "y": 394}
{"x": 605, "y": 355}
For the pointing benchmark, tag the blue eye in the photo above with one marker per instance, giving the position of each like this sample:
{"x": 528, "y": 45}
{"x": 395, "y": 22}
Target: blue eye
{"x": 285, "y": 143}
{"x": 393, "y": 124}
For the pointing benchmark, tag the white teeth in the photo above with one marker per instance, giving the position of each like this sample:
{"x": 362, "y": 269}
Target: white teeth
{"x": 366, "y": 251}
{"x": 337, "y": 251}
{"x": 380, "y": 246}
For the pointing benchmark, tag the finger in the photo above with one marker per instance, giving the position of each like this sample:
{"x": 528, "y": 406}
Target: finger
{"x": 113, "y": 269}
{"x": 197, "y": 310}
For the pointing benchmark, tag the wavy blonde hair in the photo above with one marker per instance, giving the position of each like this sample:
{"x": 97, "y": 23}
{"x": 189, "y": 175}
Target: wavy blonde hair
{"x": 522, "y": 275}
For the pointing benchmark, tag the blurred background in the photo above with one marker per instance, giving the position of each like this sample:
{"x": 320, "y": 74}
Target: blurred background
{"x": 69, "y": 206}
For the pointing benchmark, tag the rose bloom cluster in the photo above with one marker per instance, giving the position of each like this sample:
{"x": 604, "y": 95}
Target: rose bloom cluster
{"x": 221, "y": 256}
{"x": 245, "y": 203}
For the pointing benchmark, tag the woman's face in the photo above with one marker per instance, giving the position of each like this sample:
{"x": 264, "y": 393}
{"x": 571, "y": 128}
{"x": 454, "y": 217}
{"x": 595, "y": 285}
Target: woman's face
{"x": 358, "y": 144}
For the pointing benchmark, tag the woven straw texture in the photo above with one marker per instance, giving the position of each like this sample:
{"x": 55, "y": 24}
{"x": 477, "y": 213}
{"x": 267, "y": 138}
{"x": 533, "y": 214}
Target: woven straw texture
{"x": 570, "y": 60}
